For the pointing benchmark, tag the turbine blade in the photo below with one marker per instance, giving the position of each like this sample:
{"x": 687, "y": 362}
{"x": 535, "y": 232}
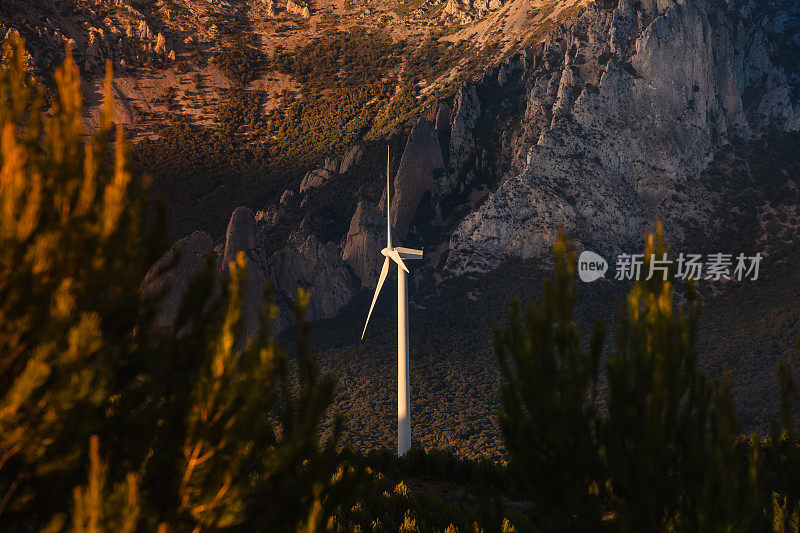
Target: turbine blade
{"x": 388, "y": 203}
{"x": 409, "y": 253}
{"x": 399, "y": 260}
{"x": 381, "y": 279}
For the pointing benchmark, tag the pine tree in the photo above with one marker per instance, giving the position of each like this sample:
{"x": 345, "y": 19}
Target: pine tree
{"x": 196, "y": 434}
{"x": 549, "y": 412}
{"x": 666, "y": 455}
{"x": 95, "y": 508}
{"x": 670, "y": 435}
{"x": 73, "y": 252}
{"x": 783, "y": 456}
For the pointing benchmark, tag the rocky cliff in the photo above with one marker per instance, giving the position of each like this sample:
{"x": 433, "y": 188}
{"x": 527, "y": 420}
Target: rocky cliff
{"x": 624, "y": 110}
{"x": 606, "y": 124}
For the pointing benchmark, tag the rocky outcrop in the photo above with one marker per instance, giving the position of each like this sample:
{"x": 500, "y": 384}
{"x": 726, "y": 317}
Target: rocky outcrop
{"x": 171, "y": 275}
{"x": 331, "y": 164}
{"x": 160, "y": 46}
{"x": 305, "y": 262}
{"x": 458, "y": 10}
{"x": 131, "y": 33}
{"x": 241, "y": 238}
{"x": 270, "y": 10}
{"x": 364, "y": 241}
{"x": 287, "y": 196}
{"x": 241, "y": 234}
{"x": 299, "y": 8}
{"x": 422, "y": 158}
{"x": 466, "y": 110}
{"x": 96, "y": 50}
{"x": 466, "y": 11}
{"x": 315, "y": 266}
{"x": 350, "y": 158}
{"x": 314, "y": 178}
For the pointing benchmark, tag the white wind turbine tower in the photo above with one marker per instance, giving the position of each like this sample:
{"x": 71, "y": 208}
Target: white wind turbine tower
{"x": 397, "y": 254}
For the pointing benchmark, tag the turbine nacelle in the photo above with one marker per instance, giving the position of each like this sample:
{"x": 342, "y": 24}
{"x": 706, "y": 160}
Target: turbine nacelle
{"x": 391, "y": 254}
{"x": 398, "y": 254}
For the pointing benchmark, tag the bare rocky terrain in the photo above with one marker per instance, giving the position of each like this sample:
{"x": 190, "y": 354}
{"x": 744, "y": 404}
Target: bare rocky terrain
{"x": 265, "y": 126}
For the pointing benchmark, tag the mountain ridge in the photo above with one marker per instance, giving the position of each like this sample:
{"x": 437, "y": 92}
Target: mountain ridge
{"x": 573, "y": 109}
{"x": 681, "y": 109}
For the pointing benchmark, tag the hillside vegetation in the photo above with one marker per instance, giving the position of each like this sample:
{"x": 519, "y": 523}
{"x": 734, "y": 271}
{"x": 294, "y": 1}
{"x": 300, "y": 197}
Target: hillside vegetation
{"x": 353, "y": 85}
{"x": 231, "y": 103}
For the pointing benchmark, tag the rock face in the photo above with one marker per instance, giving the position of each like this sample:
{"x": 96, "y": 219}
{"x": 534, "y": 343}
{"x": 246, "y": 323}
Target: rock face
{"x": 304, "y": 262}
{"x": 241, "y": 237}
{"x": 365, "y": 239}
{"x": 314, "y": 178}
{"x": 299, "y": 8}
{"x": 605, "y": 125}
{"x": 187, "y": 258}
{"x": 241, "y": 234}
{"x": 317, "y": 267}
{"x": 421, "y": 159}
{"x": 351, "y": 157}
{"x": 192, "y": 254}
{"x": 623, "y": 112}
{"x": 466, "y": 110}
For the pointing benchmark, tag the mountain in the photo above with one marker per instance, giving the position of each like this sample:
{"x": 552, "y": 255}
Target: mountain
{"x": 265, "y": 128}
{"x": 609, "y": 122}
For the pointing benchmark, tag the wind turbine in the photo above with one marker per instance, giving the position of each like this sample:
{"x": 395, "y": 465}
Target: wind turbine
{"x": 397, "y": 254}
